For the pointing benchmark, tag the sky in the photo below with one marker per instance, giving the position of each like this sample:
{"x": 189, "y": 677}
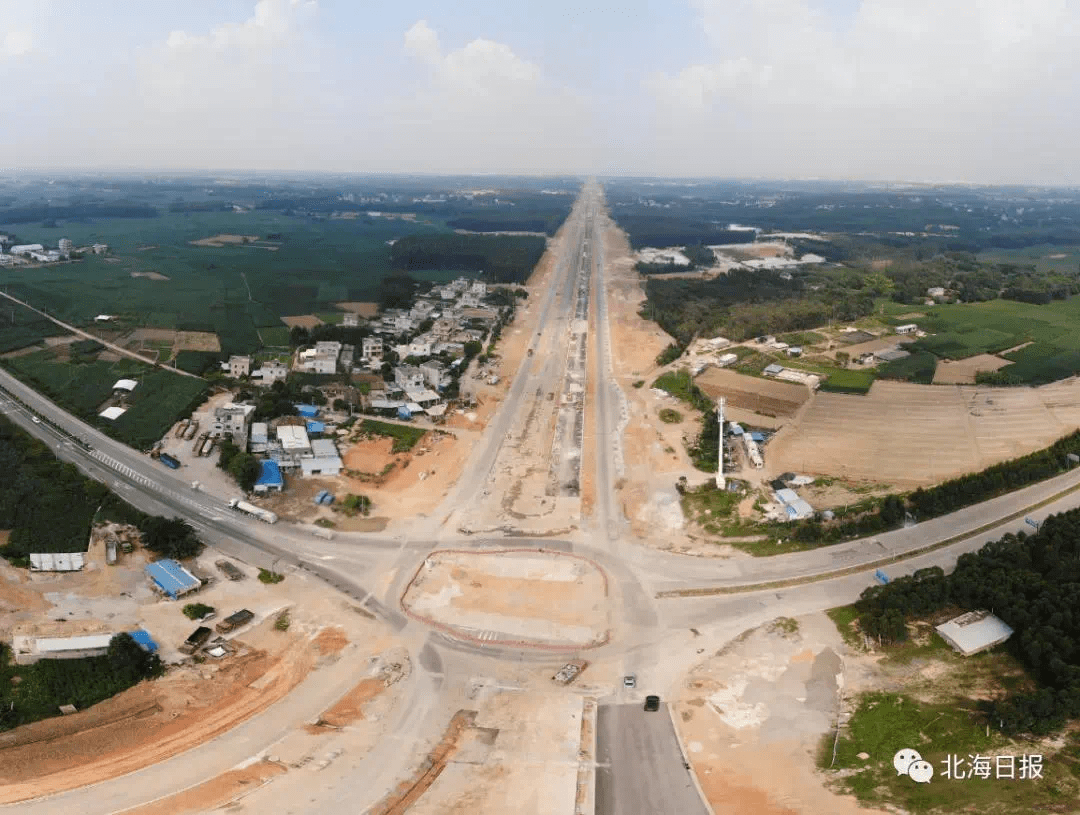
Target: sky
{"x": 981, "y": 91}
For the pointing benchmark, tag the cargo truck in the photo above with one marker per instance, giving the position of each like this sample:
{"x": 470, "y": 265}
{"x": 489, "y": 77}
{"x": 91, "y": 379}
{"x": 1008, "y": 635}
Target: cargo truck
{"x": 192, "y": 429}
{"x": 262, "y": 514}
{"x": 169, "y": 461}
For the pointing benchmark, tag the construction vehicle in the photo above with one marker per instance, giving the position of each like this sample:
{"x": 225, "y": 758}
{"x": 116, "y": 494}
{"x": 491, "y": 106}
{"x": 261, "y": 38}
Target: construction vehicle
{"x": 570, "y": 671}
{"x": 201, "y": 443}
{"x": 258, "y": 512}
{"x": 192, "y": 429}
{"x": 181, "y": 428}
{"x": 197, "y": 638}
{"x": 234, "y": 621}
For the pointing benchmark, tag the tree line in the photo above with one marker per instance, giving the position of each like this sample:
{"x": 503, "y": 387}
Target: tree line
{"x": 1030, "y": 582}
{"x": 501, "y": 258}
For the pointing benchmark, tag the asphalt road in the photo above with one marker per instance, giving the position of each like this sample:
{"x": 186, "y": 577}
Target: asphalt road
{"x": 640, "y": 769}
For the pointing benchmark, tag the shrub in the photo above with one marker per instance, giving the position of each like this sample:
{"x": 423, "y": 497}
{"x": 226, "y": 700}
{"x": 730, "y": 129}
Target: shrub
{"x": 269, "y": 577}
{"x": 196, "y": 611}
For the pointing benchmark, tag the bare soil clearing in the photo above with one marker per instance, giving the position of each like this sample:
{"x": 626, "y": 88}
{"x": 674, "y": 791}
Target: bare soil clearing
{"x": 764, "y": 396}
{"x": 224, "y": 239}
{"x": 751, "y": 718}
{"x": 529, "y": 597}
{"x": 302, "y": 320}
{"x": 150, "y": 275}
{"x": 962, "y": 372}
{"x": 909, "y": 435}
{"x": 213, "y": 793}
{"x": 366, "y": 310}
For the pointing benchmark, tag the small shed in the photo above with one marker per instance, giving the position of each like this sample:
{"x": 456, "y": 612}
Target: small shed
{"x": 171, "y": 578}
{"x": 260, "y": 433}
{"x": 270, "y": 478}
{"x": 112, "y": 413}
{"x": 125, "y": 385}
{"x": 145, "y": 641}
{"x": 773, "y": 370}
{"x": 316, "y": 427}
{"x": 974, "y": 632}
{"x": 307, "y": 411}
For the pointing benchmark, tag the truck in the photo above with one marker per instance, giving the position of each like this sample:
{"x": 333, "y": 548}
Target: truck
{"x": 241, "y": 505}
{"x": 234, "y": 621}
{"x": 169, "y": 461}
{"x": 191, "y": 430}
{"x": 229, "y": 570}
{"x": 201, "y": 443}
{"x": 570, "y": 671}
{"x": 199, "y": 636}
{"x": 181, "y": 427}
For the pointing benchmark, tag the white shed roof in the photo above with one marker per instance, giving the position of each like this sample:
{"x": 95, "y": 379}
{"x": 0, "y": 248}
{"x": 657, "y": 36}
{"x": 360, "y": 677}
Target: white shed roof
{"x": 293, "y": 437}
{"x": 975, "y": 631}
{"x": 48, "y": 645}
{"x": 125, "y": 384}
{"x": 112, "y": 413}
{"x": 57, "y": 561}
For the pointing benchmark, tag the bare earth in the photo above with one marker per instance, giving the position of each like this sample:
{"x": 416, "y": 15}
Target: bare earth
{"x": 910, "y": 434}
{"x": 764, "y": 396}
{"x": 363, "y": 309}
{"x": 224, "y": 240}
{"x": 962, "y": 371}
{"x": 522, "y": 596}
{"x": 302, "y": 320}
{"x": 150, "y": 275}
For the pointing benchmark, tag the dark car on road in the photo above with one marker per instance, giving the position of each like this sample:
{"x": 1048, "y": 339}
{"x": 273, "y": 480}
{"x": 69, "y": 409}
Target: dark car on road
{"x": 652, "y": 703}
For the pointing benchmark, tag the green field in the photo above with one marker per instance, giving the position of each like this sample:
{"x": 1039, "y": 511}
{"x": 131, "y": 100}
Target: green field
{"x": 919, "y": 367}
{"x": 1042, "y": 257}
{"x": 20, "y": 327}
{"x": 318, "y": 262}
{"x": 405, "y": 438}
{"x": 964, "y": 330}
{"x": 160, "y": 398}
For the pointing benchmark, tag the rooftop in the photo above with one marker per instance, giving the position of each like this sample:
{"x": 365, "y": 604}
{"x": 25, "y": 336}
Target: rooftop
{"x": 269, "y": 474}
{"x": 125, "y": 385}
{"x": 974, "y": 632}
{"x": 172, "y": 577}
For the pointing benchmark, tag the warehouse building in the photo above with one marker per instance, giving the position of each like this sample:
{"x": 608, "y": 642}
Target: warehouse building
{"x": 172, "y": 579}
{"x": 270, "y": 478}
{"x": 324, "y": 459}
{"x": 974, "y": 632}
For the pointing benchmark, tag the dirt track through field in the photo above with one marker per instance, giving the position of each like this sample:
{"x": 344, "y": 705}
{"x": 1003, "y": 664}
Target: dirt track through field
{"x": 909, "y": 434}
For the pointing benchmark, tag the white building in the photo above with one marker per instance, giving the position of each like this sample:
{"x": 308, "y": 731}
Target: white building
{"x": 271, "y": 371}
{"x": 7, "y": 260}
{"x": 409, "y": 378}
{"x": 478, "y": 289}
{"x": 233, "y": 420}
{"x": 371, "y": 351}
{"x": 26, "y": 248}
{"x": 99, "y": 248}
{"x": 239, "y": 366}
{"x": 66, "y": 246}
{"x": 435, "y": 374}
{"x": 974, "y": 632}
{"x": 294, "y": 439}
{"x": 324, "y": 459}
{"x": 907, "y": 328}
{"x": 350, "y": 320}
{"x": 419, "y": 347}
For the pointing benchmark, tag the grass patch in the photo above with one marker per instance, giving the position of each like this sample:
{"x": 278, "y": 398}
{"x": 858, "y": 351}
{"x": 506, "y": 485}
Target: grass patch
{"x": 277, "y": 335}
{"x": 405, "y": 437}
{"x": 680, "y": 384}
{"x": 670, "y": 416}
{"x": 282, "y": 622}
{"x": 325, "y": 523}
{"x": 196, "y": 611}
{"x": 785, "y": 626}
{"x": 802, "y": 338}
{"x": 885, "y": 723}
{"x": 269, "y": 577}
{"x": 919, "y": 367}
{"x": 840, "y": 380}
{"x": 844, "y": 618}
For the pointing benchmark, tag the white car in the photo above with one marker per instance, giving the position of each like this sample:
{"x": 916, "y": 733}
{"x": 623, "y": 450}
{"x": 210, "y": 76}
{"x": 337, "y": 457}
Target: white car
{"x": 629, "y": 681}
{"x": 35, "y": 420}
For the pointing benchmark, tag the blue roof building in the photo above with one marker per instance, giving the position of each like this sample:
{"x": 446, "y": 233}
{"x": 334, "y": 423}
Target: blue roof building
{"x": 758, "y": 437}
{"x": 270, "y": 478}
{"x": 307, "y": 411}
{"x": 171, "y": 578}
{"x": 145, "y": 640}
{"x": 316, "y": 427}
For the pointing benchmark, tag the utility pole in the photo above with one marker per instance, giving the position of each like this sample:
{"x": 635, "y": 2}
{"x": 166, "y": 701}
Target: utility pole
{"x": 720, "y": 482}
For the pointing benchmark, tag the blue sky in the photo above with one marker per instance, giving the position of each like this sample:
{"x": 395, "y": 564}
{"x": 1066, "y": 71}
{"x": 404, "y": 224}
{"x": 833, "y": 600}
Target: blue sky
{"x": 975, "y": 90}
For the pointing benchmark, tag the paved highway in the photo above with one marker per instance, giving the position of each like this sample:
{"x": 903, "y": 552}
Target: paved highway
{"x": 640, "y": 767}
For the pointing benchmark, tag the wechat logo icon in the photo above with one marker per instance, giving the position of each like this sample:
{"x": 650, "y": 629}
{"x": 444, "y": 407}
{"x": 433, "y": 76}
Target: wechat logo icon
{"x": 908, "y": 762}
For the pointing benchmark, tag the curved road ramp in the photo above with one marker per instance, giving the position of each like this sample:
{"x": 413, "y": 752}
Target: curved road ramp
{"x": 519, "y": 597}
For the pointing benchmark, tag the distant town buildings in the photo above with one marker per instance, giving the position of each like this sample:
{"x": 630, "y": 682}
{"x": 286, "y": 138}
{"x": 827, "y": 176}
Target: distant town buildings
{"x": 350, "y": 320}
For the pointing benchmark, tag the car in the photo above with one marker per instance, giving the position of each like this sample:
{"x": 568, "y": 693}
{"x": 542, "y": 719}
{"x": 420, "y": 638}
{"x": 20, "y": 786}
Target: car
{"x": 35, "y": 420}
{"x": 629, "y": 681}
{"x": 652, "y": 703}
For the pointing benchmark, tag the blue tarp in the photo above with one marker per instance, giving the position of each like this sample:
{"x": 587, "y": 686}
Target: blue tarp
{"x": 145, "y": 640}
{"x": 269, "y": 474}
{"x": 307, "y": 411}
{"x": 316, "y": 427}
{"x": 404, "y": 413}
{"x": 755, "y": 436}
{"x": 171, "y": 577}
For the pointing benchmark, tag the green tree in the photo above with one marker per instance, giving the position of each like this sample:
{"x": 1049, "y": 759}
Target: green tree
{"x": 245, "y": 469}
{"x": 128, "y": 659}
{"x": 170, "y": 537}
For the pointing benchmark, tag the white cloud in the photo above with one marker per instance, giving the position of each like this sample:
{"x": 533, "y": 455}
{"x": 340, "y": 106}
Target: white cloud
{"x": 15, "y": 44}
{"x": 482, "y": 107}
{"x": 912, "y": 76}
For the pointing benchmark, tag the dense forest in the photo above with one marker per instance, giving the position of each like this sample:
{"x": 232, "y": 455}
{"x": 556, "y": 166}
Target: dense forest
{"x": 1033, "y": 584}
{"x": 49, "y": 506}
{"x": 646, "y": 229}
{"x": 746, "y": 303}
{"x": 46, "y": 212}
{"x": 501, "y": 258}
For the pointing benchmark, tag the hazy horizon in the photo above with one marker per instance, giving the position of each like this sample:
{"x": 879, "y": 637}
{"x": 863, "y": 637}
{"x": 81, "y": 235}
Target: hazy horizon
{"x": 874, "y": 91}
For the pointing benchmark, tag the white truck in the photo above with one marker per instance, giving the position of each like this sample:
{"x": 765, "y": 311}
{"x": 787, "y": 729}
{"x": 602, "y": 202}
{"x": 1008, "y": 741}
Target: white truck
{"x": 258, "y": 512}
